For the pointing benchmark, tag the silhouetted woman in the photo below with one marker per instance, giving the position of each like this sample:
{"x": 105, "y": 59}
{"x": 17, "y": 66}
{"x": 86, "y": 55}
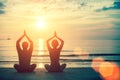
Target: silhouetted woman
{"x": 24, "y": 54}
{"x": 55, "y": 45}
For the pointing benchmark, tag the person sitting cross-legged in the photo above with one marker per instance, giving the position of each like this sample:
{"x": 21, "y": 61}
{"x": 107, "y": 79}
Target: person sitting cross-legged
{"x": 24, "y": 55}
{"x": 54, "y": 50}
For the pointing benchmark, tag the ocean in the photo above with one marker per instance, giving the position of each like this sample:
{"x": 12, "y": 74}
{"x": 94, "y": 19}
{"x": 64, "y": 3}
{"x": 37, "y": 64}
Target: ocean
{"x": 75, "y": 53}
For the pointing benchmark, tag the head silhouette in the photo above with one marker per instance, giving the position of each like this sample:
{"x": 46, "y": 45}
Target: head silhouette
{"x": 55, "y": 43}
{"x": 25, "y": 45}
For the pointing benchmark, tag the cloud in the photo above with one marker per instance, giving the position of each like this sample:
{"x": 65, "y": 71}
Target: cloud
{"x": 1, "y": 5}
{"x": 1, "y": 8}
{"x": 116, "y": 5}
{"x": 2, "y": 12}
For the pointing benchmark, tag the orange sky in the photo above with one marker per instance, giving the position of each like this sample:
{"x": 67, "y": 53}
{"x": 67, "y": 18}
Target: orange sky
{"x": 73, "y": 19}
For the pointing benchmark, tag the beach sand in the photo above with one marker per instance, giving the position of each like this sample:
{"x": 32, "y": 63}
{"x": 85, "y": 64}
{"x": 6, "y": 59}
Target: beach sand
{"x": 42, "y": 74}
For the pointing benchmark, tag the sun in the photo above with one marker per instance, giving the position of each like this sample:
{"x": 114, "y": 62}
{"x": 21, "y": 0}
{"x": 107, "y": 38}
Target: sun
{"x": 40, "y": 23}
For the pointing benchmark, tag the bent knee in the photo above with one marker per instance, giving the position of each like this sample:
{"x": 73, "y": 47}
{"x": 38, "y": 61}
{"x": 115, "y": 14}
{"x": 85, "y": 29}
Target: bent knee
{"x": 33, "y": 65}
{"x": 16, "y": 65}
{"x": 63, "y": 65}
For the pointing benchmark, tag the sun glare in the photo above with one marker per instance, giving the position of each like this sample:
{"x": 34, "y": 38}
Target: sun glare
{"x": 40, "y": 23}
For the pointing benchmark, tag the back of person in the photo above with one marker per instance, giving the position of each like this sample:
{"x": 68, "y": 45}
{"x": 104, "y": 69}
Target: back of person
{"x": 25, "y": 58}
{"x": 54, "y": 50}
{"x": 24, "y": 55}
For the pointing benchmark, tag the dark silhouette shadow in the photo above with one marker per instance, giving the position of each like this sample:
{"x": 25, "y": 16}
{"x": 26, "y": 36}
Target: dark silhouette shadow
{"x": 55, "y": 45}
{"x": 24, "y": 55}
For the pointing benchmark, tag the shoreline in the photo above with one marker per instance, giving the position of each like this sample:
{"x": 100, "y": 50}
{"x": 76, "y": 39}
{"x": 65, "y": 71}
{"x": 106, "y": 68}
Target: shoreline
{"x": 42, "y": 74}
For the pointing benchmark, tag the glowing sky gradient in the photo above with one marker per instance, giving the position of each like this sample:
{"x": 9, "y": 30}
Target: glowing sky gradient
{"x": 72, "y": 19}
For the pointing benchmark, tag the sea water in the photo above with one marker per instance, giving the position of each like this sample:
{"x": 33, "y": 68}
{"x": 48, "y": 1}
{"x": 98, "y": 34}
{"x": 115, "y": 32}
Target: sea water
{"x": 75, "y": 53}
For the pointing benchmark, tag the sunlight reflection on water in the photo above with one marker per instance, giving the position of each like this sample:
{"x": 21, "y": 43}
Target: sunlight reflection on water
{"x": 40, "y": 46}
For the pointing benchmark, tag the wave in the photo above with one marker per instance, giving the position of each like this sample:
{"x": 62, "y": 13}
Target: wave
{"x": 77, "y": 55}
{"x": 61, "y": 60}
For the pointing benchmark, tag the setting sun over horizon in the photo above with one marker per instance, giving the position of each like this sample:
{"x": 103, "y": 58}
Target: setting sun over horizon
{"x": 40, "y": 23}
{"x": 73, "y": 21}
{"x": 80, "y": 36}
{"x": 87, "y": 19}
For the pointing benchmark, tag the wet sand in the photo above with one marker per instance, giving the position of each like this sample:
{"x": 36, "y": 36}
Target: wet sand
{"x": 42, "y": 74}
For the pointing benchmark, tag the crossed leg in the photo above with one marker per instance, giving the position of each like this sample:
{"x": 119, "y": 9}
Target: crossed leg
{"x": 50, "y": 68}
{"x": 20, "y": 68}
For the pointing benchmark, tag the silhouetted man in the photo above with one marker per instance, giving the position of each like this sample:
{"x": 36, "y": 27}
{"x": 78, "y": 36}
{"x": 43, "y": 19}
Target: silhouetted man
{"x": 24, "y": 54}
{"x": 54, "y": 50}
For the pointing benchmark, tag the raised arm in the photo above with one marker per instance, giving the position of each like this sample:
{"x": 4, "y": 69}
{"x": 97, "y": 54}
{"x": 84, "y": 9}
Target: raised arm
{"x": 62, "y": 42}
{"x": 18, "y": 42}
{"x": 48, "y": 42}
{"x": 31, "y": 42}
